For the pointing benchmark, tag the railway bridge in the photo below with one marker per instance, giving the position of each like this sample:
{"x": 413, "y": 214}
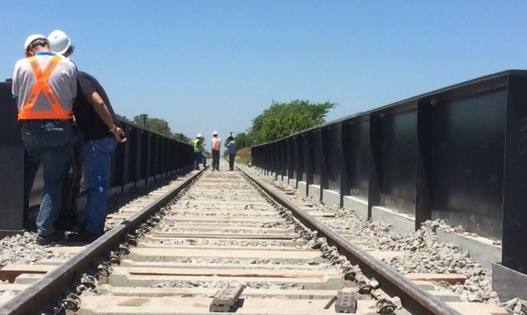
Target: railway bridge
{"x": 416, "y": 207}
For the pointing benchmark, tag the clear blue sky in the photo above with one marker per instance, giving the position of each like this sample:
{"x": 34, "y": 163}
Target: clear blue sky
{"x": 205, "y": 65}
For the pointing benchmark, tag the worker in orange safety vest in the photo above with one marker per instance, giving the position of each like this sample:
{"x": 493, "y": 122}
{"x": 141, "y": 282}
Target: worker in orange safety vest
{"x": 216, "y": 147}
{"x": 45, "y": 86}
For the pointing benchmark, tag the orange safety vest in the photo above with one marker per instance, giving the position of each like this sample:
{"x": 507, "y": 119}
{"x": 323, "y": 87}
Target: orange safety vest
{"x": 41, "y": 86}
{"x": 216, "y": 143}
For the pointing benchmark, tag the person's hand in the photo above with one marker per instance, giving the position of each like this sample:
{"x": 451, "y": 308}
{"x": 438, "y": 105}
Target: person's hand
{"x": 118, "y": 134}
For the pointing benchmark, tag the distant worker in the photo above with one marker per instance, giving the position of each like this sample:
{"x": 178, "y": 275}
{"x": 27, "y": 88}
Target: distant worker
{"x": 215, "y": 148}
{"x": 197, "y": 146}
{"x": 203, "y": 154}
{"x": 230, "y": 143}
{"x": 96, "y": 119}
{"x": 45, "y": 87}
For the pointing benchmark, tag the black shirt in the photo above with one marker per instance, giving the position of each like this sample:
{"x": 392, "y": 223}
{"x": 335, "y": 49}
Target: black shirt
{"x": 87, "y": 119}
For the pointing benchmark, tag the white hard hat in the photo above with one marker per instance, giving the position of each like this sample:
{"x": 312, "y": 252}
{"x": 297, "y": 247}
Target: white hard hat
{"x": 32, "y": 38}
{"x": 214, "y": 133}
{"x": 59, "y": 42}
{"x": 199, "y": 135}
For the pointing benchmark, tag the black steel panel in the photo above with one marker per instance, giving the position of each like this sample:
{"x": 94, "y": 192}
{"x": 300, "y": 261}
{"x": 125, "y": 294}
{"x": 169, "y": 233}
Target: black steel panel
{"x": 467, "y": 162}
{"x": 515, "y": 177}
{"x": 299, "y": 157}
{"x": 145, "y": 155}
{"x": 308, "y": 169}
{"x": 315, "y": 150}
{"x": 290, "y": 157}
{"x": 132, "y": 140}
{"x": 117, "y": 167}
{"x": 331, "y": 145}
{"x": 11, "y": 163}
{"x": 397, "y": 146}
{"x": 423, "y": 207}
{"x": 283, "y": 158}
{"x": 356, "y": 150}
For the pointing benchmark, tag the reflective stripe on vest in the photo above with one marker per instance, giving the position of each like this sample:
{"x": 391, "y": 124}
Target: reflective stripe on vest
{"x": 216, "y": 143}
{"x": 41, "y": 87}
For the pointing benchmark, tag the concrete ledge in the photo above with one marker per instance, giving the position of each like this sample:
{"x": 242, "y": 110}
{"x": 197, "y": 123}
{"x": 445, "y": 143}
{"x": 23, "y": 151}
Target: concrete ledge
{"x": 292, "y": 183}
{"x": 480, "y": 249}
{"x": 314, "y": 191}
{"x": 401, "y": 223}
{"x": 302, "y": 187}
{"x": 331, "y": 197}
{"x": 508, "y": 283}
{"x": 360, "y": 206}
{"x": 285, "y": 179}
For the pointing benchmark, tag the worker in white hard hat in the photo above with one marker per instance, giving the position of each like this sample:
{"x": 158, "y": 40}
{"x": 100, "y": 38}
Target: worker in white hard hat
{"x": 60, "y": 43}
{"x": 45, "y": 87}
{"x": 197, "y": 145}
{"x": 215, "y": 148}
{"x": 97, "y": 121}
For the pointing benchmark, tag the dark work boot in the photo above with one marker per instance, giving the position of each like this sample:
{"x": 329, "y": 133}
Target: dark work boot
{"x": 47, "y": 239}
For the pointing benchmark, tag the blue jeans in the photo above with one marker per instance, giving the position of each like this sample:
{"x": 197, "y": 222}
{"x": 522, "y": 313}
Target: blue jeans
{"x": 97, "y": 157}
{"x": 47, "y": 142}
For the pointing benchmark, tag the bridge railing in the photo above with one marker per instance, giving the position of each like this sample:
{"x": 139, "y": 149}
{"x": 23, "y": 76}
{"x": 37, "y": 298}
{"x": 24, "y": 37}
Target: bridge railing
{"x": 458, "y": 153}
{"x": 144, "y": 158}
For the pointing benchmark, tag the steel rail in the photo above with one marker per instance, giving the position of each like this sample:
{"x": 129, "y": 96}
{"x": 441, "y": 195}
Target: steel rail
{"x": 415, "y": 299}
{"x": 58, "y": 281}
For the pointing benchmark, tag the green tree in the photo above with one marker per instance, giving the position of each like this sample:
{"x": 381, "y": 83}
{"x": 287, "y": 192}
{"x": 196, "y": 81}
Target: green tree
{"x": 160, "y": 126}
{"x": 181, "y": 137}
{"x": 243, "y": 140}
{"x": 155, "y": 124}
{"x": 123, "y": 118}
{"x": 283, "y": 119}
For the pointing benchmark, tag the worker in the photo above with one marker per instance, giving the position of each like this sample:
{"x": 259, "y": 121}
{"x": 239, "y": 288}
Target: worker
{"x": 61, "y": 44}
{"x": 203, "y": 154}
{"x": 45, "y": 86}
{"x": 215, "y": 148}
{"x": 197, "y": 146}
{"x": 97, "y": 121}
{"x": 230, "y": 143}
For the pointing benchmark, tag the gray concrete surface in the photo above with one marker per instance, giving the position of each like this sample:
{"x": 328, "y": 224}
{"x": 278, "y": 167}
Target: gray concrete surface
{"x": 359, "y": 206}
{"x": 331, "y": 197}
{"x": 401, "y": 223}
{"x": 314, "y": 191}
{"x": 302, "y": 187}
{"x": 481, "y": 250}
{"x": 508, "y": 283}
{"x": 292, "y": 183}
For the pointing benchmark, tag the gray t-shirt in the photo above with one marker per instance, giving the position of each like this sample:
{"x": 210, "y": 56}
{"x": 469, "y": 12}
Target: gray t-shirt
{"x": 63, "y": 81}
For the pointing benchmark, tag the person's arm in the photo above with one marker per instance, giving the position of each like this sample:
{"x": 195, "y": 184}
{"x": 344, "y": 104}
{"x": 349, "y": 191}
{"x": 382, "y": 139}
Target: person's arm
{"x": 102, "y": 110}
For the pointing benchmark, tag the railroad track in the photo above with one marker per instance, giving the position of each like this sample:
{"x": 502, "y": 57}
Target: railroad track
{"x": 228, "y": 242}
